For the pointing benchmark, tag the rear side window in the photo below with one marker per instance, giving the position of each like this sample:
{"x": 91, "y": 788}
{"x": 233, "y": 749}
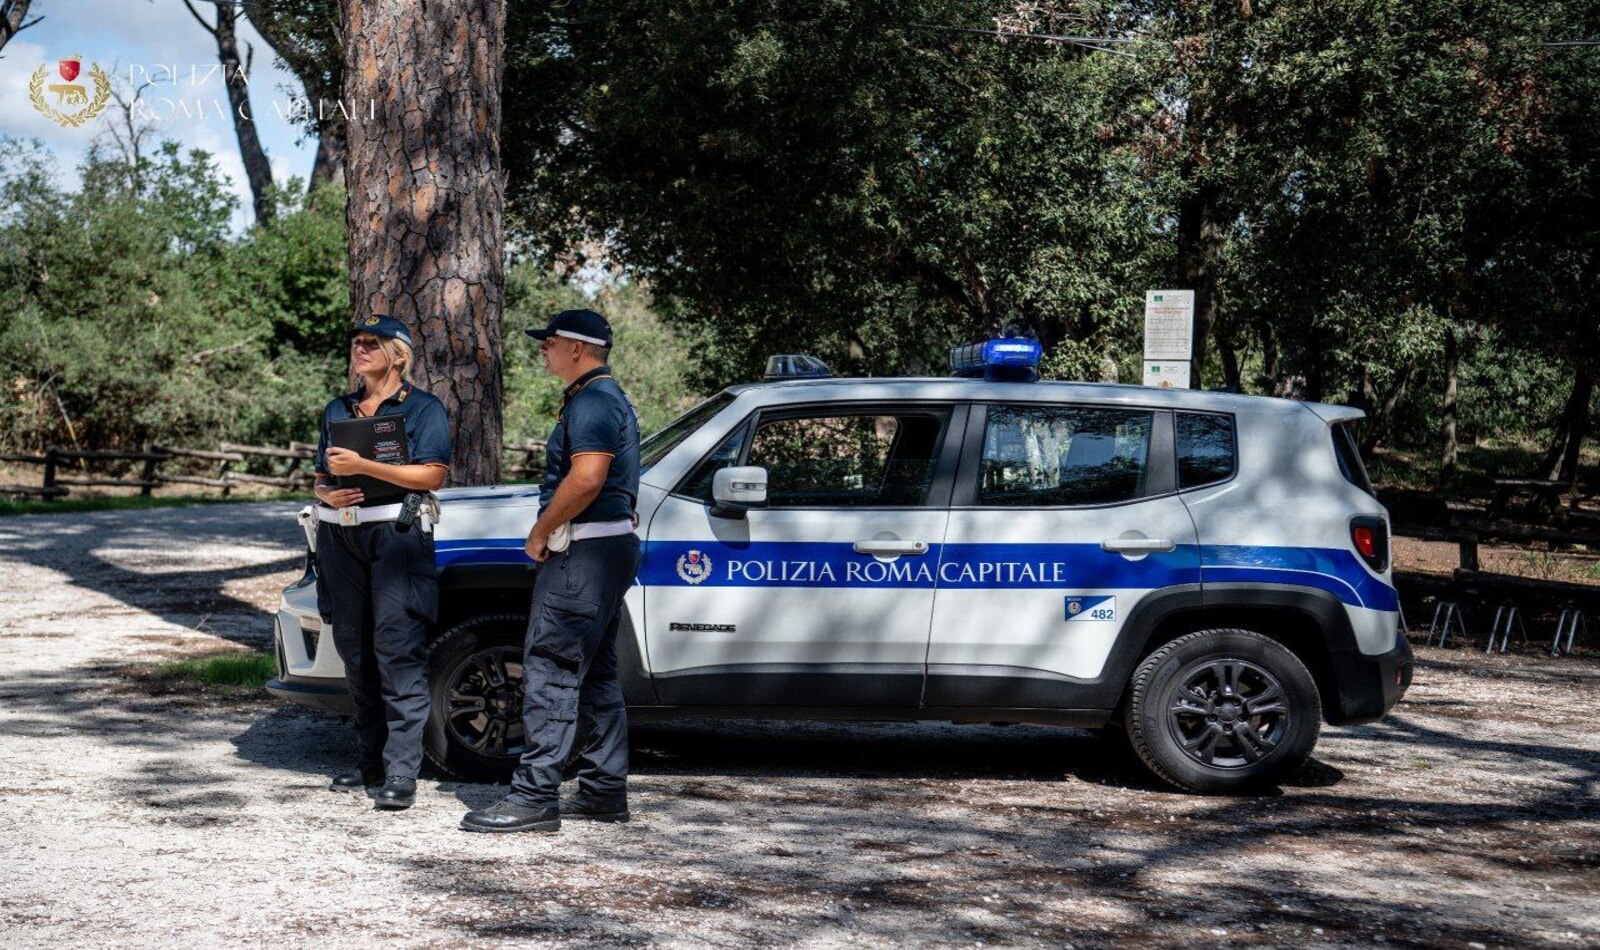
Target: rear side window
{"x": 1207, "y": 450}
{"x": 1349, "y": 455}
{"x": 1063, "y": 455}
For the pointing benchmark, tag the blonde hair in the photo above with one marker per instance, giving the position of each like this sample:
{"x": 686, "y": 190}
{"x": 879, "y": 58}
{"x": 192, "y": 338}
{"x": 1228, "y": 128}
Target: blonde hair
{"x": 400, "y": 360}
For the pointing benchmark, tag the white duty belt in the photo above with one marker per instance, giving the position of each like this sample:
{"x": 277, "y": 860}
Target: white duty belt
{"x": 601, "y": 529}
{"x": 569, "y": 532}
{"x": 372, "y": 514}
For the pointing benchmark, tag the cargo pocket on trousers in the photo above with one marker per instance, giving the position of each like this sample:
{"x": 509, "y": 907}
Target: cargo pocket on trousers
{"x": 563, "y": 626}
{"x": 558, "y": 695}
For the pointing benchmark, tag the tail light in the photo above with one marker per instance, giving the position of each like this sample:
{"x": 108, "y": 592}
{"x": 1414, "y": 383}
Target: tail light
{"x": 1369, "y": 535}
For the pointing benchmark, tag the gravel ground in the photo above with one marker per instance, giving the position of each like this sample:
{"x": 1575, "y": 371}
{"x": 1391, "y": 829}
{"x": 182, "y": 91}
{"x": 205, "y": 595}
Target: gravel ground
{"x": 1468, "y": 818}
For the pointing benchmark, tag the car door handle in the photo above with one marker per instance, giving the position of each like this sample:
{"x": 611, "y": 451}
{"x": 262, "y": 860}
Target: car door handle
{"x": 891, "y": 548}
{"x": 1136, "y": 545}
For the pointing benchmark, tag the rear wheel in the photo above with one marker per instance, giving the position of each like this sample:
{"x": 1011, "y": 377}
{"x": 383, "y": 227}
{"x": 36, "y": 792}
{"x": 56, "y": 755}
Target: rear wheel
{"x": 1223, "y": 711}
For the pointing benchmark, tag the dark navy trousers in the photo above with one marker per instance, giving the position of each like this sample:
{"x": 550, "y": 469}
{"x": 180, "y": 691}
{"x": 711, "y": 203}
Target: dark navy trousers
{"x": 570, "y": 684}
{"x": 383, "y": 590}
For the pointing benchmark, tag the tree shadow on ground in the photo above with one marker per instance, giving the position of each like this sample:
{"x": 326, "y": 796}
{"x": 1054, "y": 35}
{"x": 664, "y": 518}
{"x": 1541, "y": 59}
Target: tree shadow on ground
{"x": 129, "y": 556}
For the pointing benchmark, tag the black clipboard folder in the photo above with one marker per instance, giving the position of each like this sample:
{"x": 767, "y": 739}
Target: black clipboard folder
{"x": 380, "y": 438}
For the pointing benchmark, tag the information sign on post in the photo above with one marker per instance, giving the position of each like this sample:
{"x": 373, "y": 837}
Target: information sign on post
{"x": 1168, "y": 337}
{"x": 1167, "y": 374}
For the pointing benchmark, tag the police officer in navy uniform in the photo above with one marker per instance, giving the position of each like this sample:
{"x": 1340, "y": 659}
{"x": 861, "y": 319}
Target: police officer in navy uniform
{"x": 588, "y": 555}
{"x": 375, "y": 571}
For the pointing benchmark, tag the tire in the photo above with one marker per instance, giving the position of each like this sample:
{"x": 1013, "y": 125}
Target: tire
{"x": 462, "y": 662}
{"x": 479, "y": 661}
{"x": 1223, "y": 712}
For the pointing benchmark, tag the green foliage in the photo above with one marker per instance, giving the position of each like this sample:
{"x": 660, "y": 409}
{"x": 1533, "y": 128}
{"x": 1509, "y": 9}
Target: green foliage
{"x": 135, "y": 316}
{"x": 649, "y": 359}
{"x": 827, "y": 177}
{"x": 1354, "y": 178}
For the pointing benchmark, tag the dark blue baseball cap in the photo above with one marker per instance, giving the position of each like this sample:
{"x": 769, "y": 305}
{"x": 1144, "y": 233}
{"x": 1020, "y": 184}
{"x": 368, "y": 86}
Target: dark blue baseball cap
{"x": 380, "y": 324}
{"x": 584, "y": 325}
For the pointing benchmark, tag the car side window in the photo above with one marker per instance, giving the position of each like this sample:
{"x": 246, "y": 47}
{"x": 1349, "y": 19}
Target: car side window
{"x": 1207, "y": 452}
{"x": 849, "y": 460}
{"x": 1064, "y": 455}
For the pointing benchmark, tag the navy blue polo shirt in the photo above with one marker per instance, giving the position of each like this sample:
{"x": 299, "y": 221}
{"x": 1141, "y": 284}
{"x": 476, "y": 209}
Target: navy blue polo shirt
{"x": 596, "y": 417}
{"x": 427, "y": 424}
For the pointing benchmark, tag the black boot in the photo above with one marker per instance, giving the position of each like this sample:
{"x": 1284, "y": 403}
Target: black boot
{"x": 396, "y": 793}
{"x": 581, "y": 808}
{"x": 504, "y": 816}
{"x": 357, "y": 780}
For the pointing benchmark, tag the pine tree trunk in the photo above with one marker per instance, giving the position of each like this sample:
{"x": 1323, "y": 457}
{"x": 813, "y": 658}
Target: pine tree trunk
{"x": 256, "y": 167}
{"x": 426, "y": 197}
{"x": 328, "y": 168}
{"x": 1231, "y": 377}
{"x": 306, "y": 38}
{"x": 14, "y": 21}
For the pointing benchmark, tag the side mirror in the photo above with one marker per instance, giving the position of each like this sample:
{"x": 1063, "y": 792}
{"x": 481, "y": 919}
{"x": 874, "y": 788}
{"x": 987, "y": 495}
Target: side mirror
{"x": 736, "y": 490}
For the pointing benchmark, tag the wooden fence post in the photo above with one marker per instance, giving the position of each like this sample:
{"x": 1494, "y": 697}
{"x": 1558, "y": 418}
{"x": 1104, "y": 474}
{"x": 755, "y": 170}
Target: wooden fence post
{"x": 148, "y": 476}
{"x": 50, "y": 462}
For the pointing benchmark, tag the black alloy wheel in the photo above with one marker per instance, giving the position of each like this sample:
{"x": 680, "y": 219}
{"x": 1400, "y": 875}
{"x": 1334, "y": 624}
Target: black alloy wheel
{"x": 1223, "y": 711}
{"x": 483, "y": 702}
{"x": 475, "y": 687}
{"x": 1228, "y": 713}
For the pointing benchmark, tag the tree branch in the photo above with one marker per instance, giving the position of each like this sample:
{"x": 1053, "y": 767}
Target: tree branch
{"x": 14, "y": 19}
{"x": 200, "y": 20}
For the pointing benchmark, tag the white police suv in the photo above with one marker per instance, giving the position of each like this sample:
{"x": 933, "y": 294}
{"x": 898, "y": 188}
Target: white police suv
{"x": 1205, "y": 573}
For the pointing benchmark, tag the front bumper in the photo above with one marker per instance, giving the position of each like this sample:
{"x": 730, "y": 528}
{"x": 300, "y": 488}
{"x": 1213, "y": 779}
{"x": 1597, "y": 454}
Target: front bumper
{"x": 310, "y": 672}
{"x": 1369, "y": 686}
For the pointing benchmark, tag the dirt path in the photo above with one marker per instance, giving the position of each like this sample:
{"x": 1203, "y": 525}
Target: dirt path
{"x": 1470, "y": 817}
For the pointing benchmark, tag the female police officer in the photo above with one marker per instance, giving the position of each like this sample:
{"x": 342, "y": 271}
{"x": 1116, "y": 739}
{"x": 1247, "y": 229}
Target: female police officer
{"x": 377, "y": 573}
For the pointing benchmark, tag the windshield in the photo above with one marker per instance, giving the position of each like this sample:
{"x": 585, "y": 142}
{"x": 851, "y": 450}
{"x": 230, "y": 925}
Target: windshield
{"x": 664, "y": 440}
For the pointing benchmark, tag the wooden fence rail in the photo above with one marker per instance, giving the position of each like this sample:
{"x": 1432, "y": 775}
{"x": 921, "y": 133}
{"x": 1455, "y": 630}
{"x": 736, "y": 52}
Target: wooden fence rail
{"x": 522, "y": 460}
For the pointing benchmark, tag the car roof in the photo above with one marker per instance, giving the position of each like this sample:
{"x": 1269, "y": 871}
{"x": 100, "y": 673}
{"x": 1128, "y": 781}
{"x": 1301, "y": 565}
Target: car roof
{"x": 942, "y": 387}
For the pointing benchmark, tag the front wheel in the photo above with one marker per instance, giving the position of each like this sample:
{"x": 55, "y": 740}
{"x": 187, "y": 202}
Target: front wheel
{"x": 475, "y": 685}
{"x": 1223, "y": 711}
{"x": 475, "y": 729}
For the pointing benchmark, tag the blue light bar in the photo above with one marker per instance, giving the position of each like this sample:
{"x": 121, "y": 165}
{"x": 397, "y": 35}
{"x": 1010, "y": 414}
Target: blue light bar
{"x": 1010, "y": 358}
{"x": 795, "y": 366}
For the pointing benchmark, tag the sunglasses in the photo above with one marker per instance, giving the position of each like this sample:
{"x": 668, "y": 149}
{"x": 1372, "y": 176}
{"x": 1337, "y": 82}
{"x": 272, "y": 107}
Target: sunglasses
{"x": 368, "y": 344}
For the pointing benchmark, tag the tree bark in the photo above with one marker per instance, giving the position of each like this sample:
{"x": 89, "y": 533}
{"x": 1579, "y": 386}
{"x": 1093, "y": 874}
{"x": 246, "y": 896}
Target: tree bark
{"x": 1197, "y": 247}
{"x": 1231, "y": 377}
{"x": 14, "y": 19}
{"x": 1383, "y": 408}
{"x": 426, "y": 199}
{"x": 328, "y": 169}
{"x": 235, "y": 75}
{"x": 1450, "y": 409}
{"x": 1561, "y": 461}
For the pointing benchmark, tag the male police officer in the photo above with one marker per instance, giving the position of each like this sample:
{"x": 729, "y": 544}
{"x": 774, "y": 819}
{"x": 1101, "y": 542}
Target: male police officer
{"x": 588, "y": 553}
